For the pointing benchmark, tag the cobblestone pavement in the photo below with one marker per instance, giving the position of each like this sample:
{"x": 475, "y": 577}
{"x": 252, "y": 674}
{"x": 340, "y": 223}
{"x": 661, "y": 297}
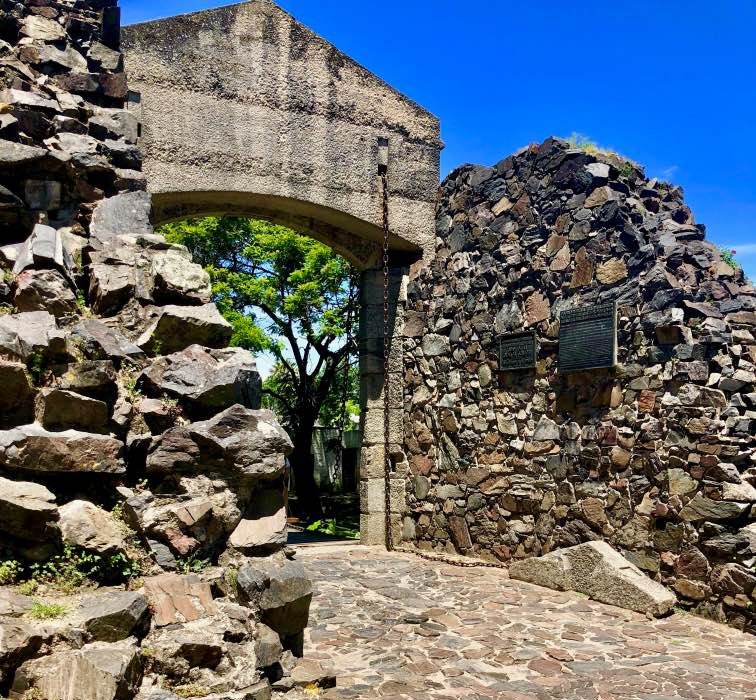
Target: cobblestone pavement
{"x": 397, "y": 626}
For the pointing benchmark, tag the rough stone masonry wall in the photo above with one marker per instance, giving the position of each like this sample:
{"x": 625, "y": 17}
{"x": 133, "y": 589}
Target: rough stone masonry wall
{"x": 118, "y": 396}
{"x": 657, "y": 456}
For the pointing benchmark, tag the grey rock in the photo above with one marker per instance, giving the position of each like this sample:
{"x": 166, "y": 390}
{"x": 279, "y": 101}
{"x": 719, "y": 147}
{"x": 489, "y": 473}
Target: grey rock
{"x": 114, "y": 124}
{"x": 94, "y": 378}
{"x": 127, "y": 213}
{"x": 15, "y": 155}
{"x": 17, "y": 395}
{"x": 44, "y": 249}
{"x": 598, "y": 571}
{"x": 68, "y": 57}
{"x": 97, "y": 671}
{"x": 435, "y": 345}
{"x": 264, "y": 527}
{"x": 19, "y": 642}
{"x": 239, "y": 441}
{"x": 31, "y": 448}
{"x": 105, "y": 56}
{"x": 702, "y": 508}
{"x": 178, "y": 280}
{"x": 44, "y": 290}
{"x": 33, "y": 333}
{"x": 103, "y": 342}
{"x": 178, "y": 327}
{"x": 112, "y": 616}
{"x": 42, "y": 28}
{"x": 546, "y": 429}
{"x": 268, "y": 647}
{"x": 209, "y": 380}
{"x": 281, "y": 589}
{"x": 85, "y": 525}
{"x": 110, "y": 287}
{"x": 28, "y": 99}
{"x": 28, "y": 511}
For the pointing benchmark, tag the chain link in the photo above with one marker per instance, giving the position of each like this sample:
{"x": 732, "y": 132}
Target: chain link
{"x": 386, "y": 373}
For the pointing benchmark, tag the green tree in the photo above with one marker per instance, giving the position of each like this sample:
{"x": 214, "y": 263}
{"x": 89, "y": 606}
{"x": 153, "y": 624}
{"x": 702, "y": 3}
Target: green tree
{"x": 293, "y": 297}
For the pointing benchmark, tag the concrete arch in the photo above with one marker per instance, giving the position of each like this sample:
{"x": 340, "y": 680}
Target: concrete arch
{"x": 357, "y": 240}
{"x": 245, "y": 110}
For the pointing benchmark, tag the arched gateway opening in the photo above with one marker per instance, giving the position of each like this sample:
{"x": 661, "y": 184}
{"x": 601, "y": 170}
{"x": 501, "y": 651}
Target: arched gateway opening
{"x": 245, "y": 112}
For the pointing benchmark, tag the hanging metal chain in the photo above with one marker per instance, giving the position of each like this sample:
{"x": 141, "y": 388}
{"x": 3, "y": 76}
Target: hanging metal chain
{"x": 386, "y": 349}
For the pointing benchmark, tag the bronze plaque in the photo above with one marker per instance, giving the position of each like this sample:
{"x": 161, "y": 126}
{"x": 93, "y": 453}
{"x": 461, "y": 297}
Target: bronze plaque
{"x": 517, "y": 351}
{"x": 588, "y": 338}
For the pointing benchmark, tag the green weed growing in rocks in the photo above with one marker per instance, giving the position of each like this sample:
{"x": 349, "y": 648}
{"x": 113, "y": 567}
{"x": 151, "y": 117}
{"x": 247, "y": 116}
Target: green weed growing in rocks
{"x": 37, "y": 369}
{"x": 47, "y": 611}
{"x": 10, "y": 572}
{"x": 728, "y": 256}
{"x": 231, "y": 576}
{"x": 192, "y": 565}
{"x": 74, "y": 569}
{"x": 127, "y": 378}
{"x": 28, "y": 587}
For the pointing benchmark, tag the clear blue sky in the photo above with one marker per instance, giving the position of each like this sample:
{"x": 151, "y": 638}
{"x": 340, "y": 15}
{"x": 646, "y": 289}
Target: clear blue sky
{"x": 669, "y": 84}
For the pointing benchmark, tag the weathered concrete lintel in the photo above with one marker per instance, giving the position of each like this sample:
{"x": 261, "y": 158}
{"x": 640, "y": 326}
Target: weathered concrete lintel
{"x": 358, "y": 241}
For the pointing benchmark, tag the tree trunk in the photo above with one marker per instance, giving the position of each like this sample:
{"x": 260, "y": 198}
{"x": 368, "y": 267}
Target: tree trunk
{"x": 303, "y": 465}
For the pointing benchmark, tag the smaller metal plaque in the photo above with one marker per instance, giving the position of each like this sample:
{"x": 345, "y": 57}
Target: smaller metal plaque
{"x": 588, "y": 338}
{"x": 517, "y": 351}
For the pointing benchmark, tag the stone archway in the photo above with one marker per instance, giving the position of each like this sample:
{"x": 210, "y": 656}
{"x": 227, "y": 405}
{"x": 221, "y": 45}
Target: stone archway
{"x": 246, "y": 112}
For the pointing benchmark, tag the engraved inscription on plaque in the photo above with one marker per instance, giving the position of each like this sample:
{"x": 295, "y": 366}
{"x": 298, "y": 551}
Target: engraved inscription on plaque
{"x": 517, "y": 351}
{"x": 588, "y": 338}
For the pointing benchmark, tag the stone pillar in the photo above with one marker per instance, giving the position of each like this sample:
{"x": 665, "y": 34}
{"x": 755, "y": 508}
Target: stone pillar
{"x": 371, "y": 344}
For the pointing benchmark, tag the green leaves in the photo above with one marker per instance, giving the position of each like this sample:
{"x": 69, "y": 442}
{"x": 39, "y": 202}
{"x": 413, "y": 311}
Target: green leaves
{"x": 268, "y": 281}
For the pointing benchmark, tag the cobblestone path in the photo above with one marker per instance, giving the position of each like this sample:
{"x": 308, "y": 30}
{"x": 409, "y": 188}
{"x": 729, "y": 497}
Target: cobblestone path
{"x": 396, "y": 626}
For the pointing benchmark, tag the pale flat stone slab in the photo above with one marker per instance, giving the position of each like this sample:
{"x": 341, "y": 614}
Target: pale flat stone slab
{"x": 600, "y": 572}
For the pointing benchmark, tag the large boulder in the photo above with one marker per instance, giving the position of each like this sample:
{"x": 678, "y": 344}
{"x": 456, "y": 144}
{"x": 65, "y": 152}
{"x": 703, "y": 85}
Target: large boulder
{"x": 127, "y": 213}
{"x": 58, "y": 409}
{"x": 110, "y": 287}
{"x": 178, "y": 327}
{"x": 32, "y": 333}
{"x": 282, "y": 591}
{"x": 239, "y": 442}
{"x": 177, "y": 280}
{"x": 44, "y": 249}
{"x": 19, "y": 642}
{"x": 17, "y": 395}
{"x": 28, "y": 511}
{"x": 93, "y": 378}
{"x": 91, "y": 528}
{"x": 264, "y": 526}
{"x": 31, "y": 448}
{"x": 44, "y": 290}
{"x": 102, "y": 342}
{"x": 207, "y": 380}
{"x": 600, "y": 572}
{"x": 200, "y": 517}
{"x": 112, "y": 616}
{"x": 97, "y": 671}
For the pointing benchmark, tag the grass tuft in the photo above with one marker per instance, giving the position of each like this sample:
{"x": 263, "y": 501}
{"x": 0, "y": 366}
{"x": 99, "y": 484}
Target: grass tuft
{"x": 47, "y": 611}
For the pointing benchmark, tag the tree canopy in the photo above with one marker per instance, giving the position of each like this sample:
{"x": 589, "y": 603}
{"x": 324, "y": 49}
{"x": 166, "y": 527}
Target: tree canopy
{"x": 289, "y": 295}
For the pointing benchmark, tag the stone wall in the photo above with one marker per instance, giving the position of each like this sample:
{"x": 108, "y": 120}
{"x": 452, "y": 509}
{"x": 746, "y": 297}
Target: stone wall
{"x": 126, "y": 424}
{"x": 656, "y": 456}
